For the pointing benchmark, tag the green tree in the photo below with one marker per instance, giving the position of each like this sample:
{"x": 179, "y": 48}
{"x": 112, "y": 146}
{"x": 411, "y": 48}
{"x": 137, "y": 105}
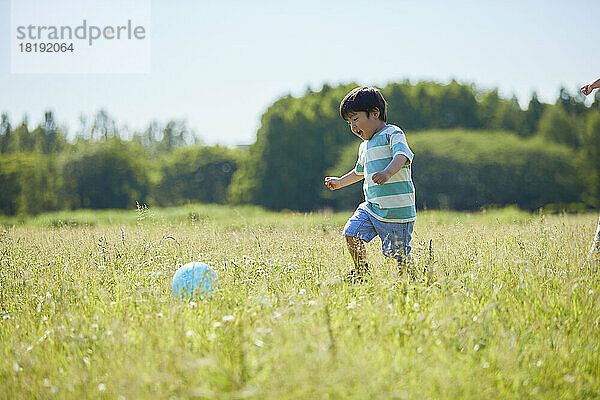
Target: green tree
{"x": 510, "y": 117}
{"x": 197, "y": 174}
{"x": 297, "y": 141}
{"x": 103, "y": 127}
{"x": 54, "y": 139}
{"x": 571, "y": 104}
{"x": 590, "y": 142}
{"x": 488, "y": 109}
{"x": 401, "y": 105}
{"x": 457, "y": 107}
{"x": 110, "y": 174}
{"x": 22, "y": 139}
{"x": 558, "y": 126}
{"x": 533, "y": 115}
{"x": 5, "y": 133}
{"x": 28, "y": 183}
{"x": 596, "y": 103}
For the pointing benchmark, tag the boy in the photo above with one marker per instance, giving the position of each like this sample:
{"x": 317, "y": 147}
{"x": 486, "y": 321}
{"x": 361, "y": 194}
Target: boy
{"x": 384, "y": 162}
{"x": 587, "y": 89}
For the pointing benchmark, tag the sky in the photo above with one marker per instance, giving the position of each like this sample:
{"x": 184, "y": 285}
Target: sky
{"x": 219, "y": 65}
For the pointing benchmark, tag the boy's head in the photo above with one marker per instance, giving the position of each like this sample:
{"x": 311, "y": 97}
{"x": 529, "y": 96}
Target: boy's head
{"x": 364, "y": 108}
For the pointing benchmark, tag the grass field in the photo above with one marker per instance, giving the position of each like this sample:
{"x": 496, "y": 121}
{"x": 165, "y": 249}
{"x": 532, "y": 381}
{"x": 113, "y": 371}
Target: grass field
{"x": 505, "y": 309}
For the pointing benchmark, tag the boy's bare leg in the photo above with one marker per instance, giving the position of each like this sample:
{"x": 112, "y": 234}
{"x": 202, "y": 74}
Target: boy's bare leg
{"x": 358, "y": 253}
{"x": 407, "y": 265}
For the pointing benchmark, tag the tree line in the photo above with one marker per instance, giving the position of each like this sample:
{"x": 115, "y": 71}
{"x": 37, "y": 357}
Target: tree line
{"x": 302, "y": 139}
{"x": 473, "y": 148}
{"x": 107, "y": 167}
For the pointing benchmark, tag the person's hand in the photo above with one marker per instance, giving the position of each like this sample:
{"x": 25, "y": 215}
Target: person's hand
{"x": 333, "y": 183}
{"x": 381, "y": 177}
{"x": 587, "y": 89}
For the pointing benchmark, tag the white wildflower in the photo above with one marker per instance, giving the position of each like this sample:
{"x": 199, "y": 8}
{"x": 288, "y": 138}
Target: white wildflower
{"x": 102, "y": 387}
{"x": 228, "y": 318}
{"x": 189, "y": 333}
{"x": 259, "y": 343}
{"x": 40, "y": 340}
{"x": 216, "y": 324}
{"x": 302, "y": 292}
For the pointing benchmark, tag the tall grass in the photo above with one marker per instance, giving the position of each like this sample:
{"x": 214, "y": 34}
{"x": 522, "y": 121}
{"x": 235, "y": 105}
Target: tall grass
{"x": 505, "y": 309}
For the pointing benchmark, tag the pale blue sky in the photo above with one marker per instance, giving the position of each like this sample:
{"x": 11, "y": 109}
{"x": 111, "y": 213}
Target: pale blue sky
{"x": 220, "y": 64}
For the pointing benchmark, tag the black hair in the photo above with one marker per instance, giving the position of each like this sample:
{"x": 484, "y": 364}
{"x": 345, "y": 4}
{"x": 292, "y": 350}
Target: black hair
{"x": 365, "y": 99}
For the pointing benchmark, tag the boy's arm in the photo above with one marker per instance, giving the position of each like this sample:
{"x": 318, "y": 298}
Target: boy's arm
{"x": 399, "y": 161}
{"x": 587, "y": 89}
{"x": 334, "y": 183}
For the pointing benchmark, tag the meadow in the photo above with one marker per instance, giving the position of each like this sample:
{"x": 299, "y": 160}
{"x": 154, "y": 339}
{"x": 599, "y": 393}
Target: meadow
{"x": 504, "y": 307}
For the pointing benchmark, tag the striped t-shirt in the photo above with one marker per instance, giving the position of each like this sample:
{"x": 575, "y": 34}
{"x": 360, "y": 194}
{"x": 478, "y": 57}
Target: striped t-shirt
{"x": 394, "y": 201}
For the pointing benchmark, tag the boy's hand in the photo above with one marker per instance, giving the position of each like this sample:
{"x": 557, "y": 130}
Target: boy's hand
{"x": 333, "y": 183}
{"x": 381, "y": 177}
{"x": 587, "y": 89}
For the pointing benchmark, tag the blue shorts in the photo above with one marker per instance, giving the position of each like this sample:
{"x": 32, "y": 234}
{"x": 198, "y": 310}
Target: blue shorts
{"x": 395, "y": 236}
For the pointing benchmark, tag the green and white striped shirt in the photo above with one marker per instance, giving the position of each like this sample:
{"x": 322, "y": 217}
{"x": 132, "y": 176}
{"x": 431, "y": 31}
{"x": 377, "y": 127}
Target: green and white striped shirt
{"x": 394, "y": 201}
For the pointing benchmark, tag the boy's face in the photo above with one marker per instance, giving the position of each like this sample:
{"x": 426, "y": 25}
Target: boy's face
{"x": 364, "y": 126}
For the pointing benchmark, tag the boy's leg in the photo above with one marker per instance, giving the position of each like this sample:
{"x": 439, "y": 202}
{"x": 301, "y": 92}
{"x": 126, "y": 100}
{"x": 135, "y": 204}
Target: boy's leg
{"x": 407, "y": 264}
{"x": 357, "y": 231}
{"x": 358, "y": 253}
{"x": 395, "y": 243}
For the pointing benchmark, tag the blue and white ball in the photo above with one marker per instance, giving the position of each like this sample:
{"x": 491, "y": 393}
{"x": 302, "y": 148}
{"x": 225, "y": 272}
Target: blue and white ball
{"x": 193, "y": 279}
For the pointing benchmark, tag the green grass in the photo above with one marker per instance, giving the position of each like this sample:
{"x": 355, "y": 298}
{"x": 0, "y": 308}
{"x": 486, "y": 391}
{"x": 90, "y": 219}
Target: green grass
{"x": 506, "y": 309}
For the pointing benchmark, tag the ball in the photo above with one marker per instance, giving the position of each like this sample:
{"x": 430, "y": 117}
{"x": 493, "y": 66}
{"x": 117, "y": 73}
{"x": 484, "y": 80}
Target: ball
{"x": 193, "y": 279}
